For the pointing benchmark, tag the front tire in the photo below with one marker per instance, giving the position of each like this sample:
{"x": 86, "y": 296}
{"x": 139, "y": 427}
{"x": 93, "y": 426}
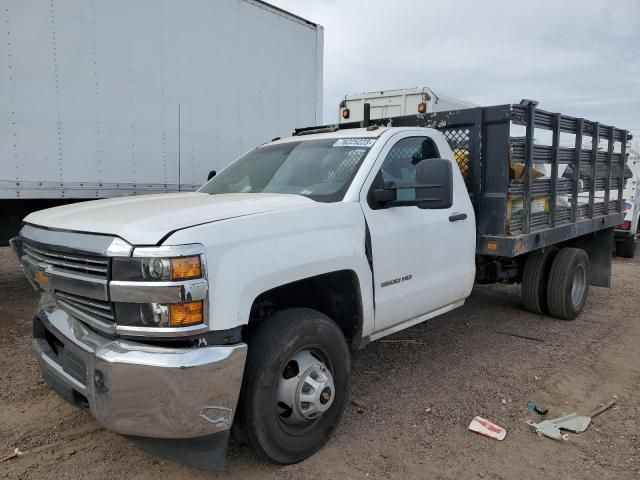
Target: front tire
{"x": 568, "y": 284}
{"x": 295, "y": 387}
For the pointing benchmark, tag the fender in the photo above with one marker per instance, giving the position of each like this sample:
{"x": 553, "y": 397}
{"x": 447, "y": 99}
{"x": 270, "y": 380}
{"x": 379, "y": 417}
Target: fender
{"x": 249, "y": 255}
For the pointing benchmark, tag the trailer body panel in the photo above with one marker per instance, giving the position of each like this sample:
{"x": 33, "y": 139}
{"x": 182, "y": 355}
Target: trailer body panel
{"x": 105, "y": 99}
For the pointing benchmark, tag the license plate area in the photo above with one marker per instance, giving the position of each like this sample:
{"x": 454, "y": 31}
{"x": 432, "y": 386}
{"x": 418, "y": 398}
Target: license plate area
{"x": 56, "y": 349}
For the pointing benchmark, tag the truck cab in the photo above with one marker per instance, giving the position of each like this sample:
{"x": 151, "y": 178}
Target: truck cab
{"x": 363, "y": 232}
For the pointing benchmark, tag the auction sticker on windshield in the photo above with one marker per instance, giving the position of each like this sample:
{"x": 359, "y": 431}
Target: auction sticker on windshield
{"x": 355, "y": 142}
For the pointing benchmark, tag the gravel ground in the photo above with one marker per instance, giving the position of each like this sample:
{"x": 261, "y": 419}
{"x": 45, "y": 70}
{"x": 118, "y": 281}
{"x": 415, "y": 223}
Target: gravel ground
{"x": 420, "y": 396}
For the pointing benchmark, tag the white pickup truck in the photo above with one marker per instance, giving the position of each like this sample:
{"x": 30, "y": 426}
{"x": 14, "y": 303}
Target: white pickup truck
{"x": 176, "y": 316}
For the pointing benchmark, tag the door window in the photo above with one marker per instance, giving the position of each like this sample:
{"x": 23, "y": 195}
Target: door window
{"x": 399, "y": 166}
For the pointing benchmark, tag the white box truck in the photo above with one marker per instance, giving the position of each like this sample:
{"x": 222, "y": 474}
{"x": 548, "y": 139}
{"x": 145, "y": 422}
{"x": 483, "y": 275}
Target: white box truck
{"x": 105, "y": 99}
{"x": 393, "y": 103}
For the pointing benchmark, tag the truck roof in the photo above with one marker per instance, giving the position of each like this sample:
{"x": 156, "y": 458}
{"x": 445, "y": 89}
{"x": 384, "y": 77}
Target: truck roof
{"x": 350, "y": 133}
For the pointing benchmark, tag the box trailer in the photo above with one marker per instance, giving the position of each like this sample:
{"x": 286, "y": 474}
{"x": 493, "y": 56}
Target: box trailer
{"x": 105, "y": 99}
{"x": 393, "y": 103}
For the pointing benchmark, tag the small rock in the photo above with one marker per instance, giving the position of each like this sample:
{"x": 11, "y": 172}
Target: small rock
{"x": 428, "y": 410}
{"x": 504, "y": 402}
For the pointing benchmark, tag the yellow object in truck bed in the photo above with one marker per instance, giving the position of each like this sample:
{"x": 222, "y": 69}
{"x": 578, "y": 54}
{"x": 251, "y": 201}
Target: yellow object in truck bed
{"x": 515, "y": 207}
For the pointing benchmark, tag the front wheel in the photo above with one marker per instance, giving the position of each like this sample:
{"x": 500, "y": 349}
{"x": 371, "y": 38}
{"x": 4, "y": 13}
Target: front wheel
{"x": 295, "y": 386}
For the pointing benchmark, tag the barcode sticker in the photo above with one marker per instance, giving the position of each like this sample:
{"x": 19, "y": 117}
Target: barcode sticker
{"x": 355, "y": 142}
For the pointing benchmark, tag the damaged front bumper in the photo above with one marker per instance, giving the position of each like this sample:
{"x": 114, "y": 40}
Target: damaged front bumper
{"x": 134, "y": 388}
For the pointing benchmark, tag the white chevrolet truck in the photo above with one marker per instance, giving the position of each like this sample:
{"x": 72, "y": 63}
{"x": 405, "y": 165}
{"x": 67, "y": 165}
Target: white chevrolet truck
{"x": 176, "y": 317}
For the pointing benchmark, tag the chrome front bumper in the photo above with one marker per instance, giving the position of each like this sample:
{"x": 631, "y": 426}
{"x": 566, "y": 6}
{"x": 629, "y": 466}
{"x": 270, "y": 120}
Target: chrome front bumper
{"x": 137, "y": 389}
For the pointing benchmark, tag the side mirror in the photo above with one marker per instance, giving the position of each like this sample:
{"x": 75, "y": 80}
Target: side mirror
{"x": 212, "y": 174}
{"x": 434, "y": 183}
{"x": 386, "y": 194}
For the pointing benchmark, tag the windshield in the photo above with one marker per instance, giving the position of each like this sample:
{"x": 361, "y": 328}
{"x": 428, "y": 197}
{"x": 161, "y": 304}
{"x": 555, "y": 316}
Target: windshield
{"x": 319, "y": 169}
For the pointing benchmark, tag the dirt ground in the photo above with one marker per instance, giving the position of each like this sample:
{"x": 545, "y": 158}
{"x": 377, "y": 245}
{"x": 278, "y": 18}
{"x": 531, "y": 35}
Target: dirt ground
{"x": 419, "y": 395}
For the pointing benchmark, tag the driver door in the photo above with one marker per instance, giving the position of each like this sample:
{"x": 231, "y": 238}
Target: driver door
{"x": 423, "y": 259}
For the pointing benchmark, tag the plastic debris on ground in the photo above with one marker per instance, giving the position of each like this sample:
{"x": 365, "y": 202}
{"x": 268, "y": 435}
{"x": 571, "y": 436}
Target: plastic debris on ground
{"x": 548, "y": 429}
{"x": 487, "y": 428}
{"x": 572, "y": 422}
{"x": 16, "y": 453}
{"x": 536, "y": 407}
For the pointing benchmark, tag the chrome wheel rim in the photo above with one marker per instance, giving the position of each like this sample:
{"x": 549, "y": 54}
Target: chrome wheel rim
{"x": 305, "y": 389}
{"x": 578, "y": 285}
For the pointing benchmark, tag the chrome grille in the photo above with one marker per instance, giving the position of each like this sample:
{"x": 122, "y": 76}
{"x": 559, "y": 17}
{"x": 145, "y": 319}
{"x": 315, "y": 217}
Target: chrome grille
{"x": 78, "y": 281}
{"x": 74, "y": 262}
{"x": 95, "y": 308}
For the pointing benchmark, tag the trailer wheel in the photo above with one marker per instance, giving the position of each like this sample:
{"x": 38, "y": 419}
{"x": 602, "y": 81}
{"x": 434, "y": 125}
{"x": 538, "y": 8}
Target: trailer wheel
{"x": 295, "y": 386}
{"x": 534, "y": 280}
{"x": 626, "y": 248}
{"x": 568, "y": 284}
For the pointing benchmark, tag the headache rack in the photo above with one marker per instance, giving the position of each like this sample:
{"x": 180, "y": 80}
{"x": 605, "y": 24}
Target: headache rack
{"x": 581, "y": 170}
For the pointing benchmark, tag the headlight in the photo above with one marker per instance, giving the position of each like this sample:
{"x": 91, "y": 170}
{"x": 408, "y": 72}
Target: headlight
{"x": 151, "y": 269}
{"x": 160, "y": 291}
{"x": 159, "y": 315}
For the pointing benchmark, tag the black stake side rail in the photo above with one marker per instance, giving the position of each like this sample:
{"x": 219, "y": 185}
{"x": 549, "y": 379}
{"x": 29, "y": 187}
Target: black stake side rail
{"x": 487, "y": 146}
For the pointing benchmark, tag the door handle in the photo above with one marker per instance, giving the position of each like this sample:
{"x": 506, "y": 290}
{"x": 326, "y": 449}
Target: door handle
{"x": 456, "y": 217}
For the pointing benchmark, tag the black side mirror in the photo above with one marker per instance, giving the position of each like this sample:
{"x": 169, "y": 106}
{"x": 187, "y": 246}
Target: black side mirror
{"x": 434, "y": 183}
{"x": 212, "y": 174}
{"x": 386, "y": 194}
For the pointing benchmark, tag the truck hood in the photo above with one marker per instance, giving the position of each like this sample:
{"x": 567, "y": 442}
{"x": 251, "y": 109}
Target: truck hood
{"x": 147, "y": 219}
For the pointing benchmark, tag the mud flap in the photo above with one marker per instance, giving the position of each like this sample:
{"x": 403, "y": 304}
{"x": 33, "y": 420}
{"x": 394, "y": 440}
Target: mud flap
{"x": 203, "y": 453}
{"x": 598, "y": 246}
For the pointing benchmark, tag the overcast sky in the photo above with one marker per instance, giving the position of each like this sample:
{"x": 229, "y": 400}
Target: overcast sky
{"x": 580, "y": 58}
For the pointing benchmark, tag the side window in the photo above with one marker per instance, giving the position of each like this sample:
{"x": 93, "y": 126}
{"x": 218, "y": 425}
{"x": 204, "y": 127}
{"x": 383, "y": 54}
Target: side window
{"x": 399, "y": 166}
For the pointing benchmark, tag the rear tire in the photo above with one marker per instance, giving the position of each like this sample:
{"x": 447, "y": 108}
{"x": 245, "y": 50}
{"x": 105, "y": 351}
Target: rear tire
{"x": 568, "y": 284}
{"x": 534, "y": 280}
{"x": 291, "y": 355}
{"x": 626, "y": 248}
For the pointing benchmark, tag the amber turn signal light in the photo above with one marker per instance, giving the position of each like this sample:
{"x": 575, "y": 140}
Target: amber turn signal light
{"x": 345, "y": 113}
{"x": 491, "y": 246}
{"x": 185, "y": 314}
{"x": 185, "y": 268}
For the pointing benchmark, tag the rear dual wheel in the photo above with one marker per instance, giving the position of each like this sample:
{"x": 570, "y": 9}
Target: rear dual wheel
{"x": 556, "y": 281}
{"x": 568, "y": 284}
{"x": 534, "y": 280}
